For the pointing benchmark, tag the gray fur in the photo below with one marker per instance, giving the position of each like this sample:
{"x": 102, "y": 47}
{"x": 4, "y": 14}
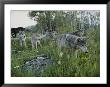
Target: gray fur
{"x": 78, "y": 33}
{"x": 51, "y": 35}
{"x": 35, "y": 41}
{"x": 72, "y": 41}
{"x": 22, "y": 38}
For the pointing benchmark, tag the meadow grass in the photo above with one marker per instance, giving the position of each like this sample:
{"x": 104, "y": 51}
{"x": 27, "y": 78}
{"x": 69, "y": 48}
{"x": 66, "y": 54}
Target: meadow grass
{"x": 84, "y": 65}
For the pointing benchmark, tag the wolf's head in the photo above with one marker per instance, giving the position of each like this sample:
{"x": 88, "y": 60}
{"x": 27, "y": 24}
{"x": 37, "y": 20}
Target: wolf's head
{"x": 81, "y": 44}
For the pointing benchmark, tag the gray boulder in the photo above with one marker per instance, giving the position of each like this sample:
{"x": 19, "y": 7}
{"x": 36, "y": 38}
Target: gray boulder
{"x": 37, "y": 64}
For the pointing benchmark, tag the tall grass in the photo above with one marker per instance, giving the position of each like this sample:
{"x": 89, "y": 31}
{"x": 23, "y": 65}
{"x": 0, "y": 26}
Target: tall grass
{"x": 82, "y": 65}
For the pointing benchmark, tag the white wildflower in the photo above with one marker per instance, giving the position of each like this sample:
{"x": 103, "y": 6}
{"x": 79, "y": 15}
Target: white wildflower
{"x": 59, "y": 62}
{"x": 61, "y": 54}
{"x": 16, "y": 66}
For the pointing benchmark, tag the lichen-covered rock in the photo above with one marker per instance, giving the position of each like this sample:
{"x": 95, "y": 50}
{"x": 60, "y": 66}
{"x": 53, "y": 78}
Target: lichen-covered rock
{"x": 37, "y": 64}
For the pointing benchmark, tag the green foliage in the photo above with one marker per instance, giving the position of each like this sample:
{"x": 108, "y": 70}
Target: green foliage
{"x": 82, "y": 65}
{"x": 58, "y": 20}
{"x": 73, "y": 64}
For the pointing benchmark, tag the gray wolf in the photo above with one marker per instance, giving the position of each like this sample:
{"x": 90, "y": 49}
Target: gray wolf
{"x": 22, "y": 38}
{"x": 35, "y": 41}
{"x": 72, "y": 41}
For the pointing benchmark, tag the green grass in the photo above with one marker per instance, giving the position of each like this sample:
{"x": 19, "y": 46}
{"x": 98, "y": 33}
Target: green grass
{"x": 84, "y": 65}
